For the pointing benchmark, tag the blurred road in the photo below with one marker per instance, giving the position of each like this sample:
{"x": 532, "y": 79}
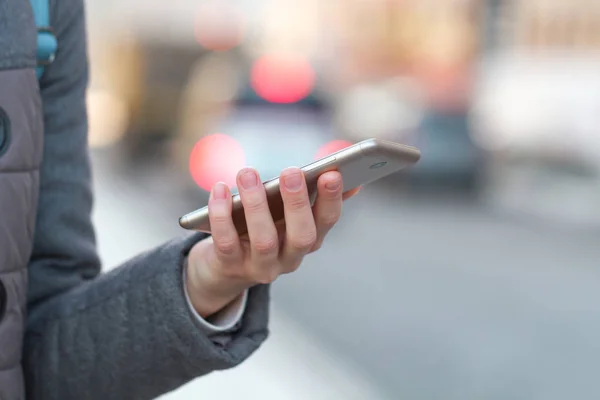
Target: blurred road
{"x": 426, "y": 297}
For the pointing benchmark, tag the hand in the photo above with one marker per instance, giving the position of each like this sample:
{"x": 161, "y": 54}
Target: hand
{"x": 222, "y": 266}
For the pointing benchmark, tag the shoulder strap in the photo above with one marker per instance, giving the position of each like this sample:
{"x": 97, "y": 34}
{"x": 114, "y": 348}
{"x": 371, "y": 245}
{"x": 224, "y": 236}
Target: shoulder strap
{"x": 46, "y": 41}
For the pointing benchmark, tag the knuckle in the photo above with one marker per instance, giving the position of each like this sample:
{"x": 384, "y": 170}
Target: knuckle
{"x": 220, "y": 219}
{"x": 316, "y": 246}
{"x": 226, "y": 245}
{"x": 298, "y": 203}
{"x": 329, "y": 219}
{"x": 303, "y": 243}
{"x": 267, "y": 277}
{"x": 254, "y": 204}
{"x": 266, "y": 246}
{"x": 293, "y": 267}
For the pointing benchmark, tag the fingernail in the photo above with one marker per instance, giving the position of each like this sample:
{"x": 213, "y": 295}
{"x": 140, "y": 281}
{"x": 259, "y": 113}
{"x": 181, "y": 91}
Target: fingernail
{"x": 248, "y": 179}
{"x": 220, "y": 191}
{"x": 293, "y": 182}
{"x": 333, "y": 185}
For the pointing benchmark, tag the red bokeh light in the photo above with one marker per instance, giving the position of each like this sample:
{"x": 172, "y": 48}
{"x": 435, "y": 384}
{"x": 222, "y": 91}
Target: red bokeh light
{"x": 332, "y": 147}
{"x": 216, "y": 158}
{"x": 282, "y": 79}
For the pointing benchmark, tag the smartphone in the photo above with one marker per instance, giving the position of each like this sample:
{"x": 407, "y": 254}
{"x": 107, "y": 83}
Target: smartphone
{"x": 359, "y": 164}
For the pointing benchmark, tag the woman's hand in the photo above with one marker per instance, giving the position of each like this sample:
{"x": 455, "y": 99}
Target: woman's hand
{"x": 222, "y": 266}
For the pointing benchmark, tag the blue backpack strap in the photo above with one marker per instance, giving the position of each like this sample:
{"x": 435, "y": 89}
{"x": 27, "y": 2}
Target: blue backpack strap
{"x": 46, "y": 41}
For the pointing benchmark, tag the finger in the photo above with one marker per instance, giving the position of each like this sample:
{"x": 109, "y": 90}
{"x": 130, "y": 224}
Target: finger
{"x": 328, "y": 206}
{"x": 225, "y": 238}
{"x": 351, "y": 193}
{"x": 264, "y": 242}
{"x": 301, "y": 232}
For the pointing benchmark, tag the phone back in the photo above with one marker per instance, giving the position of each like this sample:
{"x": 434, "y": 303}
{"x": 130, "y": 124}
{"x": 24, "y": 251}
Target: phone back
{"x": 359, "y": 164}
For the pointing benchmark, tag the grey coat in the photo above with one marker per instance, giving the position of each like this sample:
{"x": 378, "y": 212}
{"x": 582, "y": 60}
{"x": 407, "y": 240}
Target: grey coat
{"x": 127, "y": 334}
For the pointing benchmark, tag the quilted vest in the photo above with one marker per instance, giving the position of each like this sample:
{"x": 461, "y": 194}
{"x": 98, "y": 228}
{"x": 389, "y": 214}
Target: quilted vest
{"x": 21, "y": 148}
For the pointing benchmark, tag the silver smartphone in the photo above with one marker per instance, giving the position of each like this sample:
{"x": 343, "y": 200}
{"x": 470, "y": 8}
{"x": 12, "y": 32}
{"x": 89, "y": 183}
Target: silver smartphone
{"x": 359, "y": 164}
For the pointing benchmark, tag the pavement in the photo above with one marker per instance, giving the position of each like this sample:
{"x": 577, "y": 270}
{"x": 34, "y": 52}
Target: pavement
{"x": 413, "y": 296}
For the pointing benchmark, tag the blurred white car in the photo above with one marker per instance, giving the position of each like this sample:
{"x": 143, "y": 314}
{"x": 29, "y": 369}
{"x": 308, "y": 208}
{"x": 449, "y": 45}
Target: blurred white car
{"x": 540, "y": 107}
{"x": 540, "y": 119}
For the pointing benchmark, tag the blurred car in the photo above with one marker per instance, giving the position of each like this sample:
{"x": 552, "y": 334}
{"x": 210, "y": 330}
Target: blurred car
{"x": 271, "y": 116}
{"x": 538, "y": 117}
{"x": 394, "y": 110}
{"x": 450, "y": 157}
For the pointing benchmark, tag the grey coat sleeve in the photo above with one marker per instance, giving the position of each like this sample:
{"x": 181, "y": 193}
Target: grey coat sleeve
{"x": 126, "y": 334}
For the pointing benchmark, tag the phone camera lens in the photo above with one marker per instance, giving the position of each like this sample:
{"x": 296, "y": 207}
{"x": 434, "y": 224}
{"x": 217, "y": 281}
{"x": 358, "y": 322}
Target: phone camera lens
{"x": 378, "y": 165}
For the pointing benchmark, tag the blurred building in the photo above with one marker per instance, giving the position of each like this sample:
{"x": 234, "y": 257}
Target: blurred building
{"x": 536, "y": 110}
{"x": 547, "y": 25}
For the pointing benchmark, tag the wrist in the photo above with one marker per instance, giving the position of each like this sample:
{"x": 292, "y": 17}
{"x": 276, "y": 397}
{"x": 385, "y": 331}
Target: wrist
{"x": 209, "y": 291}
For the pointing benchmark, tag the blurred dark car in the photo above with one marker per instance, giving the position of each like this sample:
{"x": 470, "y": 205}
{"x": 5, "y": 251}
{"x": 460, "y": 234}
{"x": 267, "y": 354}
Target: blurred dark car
{"x": 391, "y": 110}
{"x": 450, "y": 159}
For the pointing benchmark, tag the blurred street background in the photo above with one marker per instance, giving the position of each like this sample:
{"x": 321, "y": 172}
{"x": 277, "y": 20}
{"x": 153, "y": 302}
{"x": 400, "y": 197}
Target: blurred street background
{"x": 473, "y": 275}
